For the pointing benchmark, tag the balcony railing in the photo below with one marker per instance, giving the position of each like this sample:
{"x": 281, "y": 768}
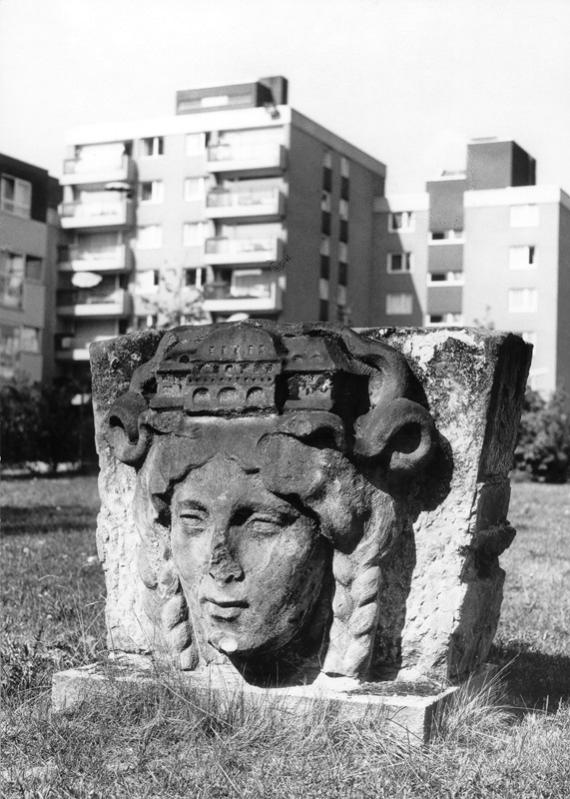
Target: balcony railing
{"x": 225, "y": 203}
{"x": 241, "y": 157}
{"x": 93, "y": 302}
{"x": 87, "y": 170}
{"x": 256, "y": 293}
{"x": 93, "y": 214}
{"x": 115, "y": 258}
{"x": 221, "y": 250}
{"x": 76, "y": 348}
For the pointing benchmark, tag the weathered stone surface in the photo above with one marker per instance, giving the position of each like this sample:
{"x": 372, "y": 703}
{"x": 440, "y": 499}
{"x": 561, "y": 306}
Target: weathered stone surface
{"x": 407, "y": 710}
{"x": 442, "y": 620}
{"x": 279, "y": 498}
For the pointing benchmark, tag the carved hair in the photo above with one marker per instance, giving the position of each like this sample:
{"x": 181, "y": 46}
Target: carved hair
{"x": 352, "y": 476}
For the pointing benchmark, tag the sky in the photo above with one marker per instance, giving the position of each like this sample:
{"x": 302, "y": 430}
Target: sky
{"x": 409, "y": 81}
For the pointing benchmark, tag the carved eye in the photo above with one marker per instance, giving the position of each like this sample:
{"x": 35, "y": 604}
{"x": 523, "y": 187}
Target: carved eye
{"x": 268, "y": 524}
{"x": 264, "y": 525}
{"x": 193, "y": 522}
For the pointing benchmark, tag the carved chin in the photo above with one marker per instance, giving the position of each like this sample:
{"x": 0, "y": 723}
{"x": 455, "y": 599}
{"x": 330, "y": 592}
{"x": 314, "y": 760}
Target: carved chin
{"x": 235, "y": 638}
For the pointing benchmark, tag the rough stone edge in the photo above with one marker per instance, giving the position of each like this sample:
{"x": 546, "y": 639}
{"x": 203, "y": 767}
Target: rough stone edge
{"x": 410, "y": 717}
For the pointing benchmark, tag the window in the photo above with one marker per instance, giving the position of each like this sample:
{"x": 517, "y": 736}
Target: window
{"x": 323, "y": 310}
{"x": 251, "y": 283}
{"x": 11, "y": 279}
{"x": 343, "y": 232}
{"x": 152, "y": 147}
{"x": 194, "y": 234}
{"x": 522, "y": 257}
{"x": 9, "y": 350}
{"x": 446, "y": 236}
{"x": 326, "y": 223}
{"x": 194, "y": 188}
{"x": 445, "y": 278}
{"x": 325, "y": 266}
{"x": 195, "y": 144}
{"x": 151, "y": 191}
{"x": 327, "y": 179}
{"x": 401, "y": 221}
{"x": 524, "y": 215}
{"x": 344, "y": 188}
{"x": 30, "y": 339}
{"x": 15, "y": 196}
{"x": 194, "y": 277}
{"x": 325, "y": 201}
{"x": 444, "y": 319}
{"x": 399, "y": 304}
{"x": 523, "y": 300}
{"x": 149, "y": 237}
{"x": 33, "y": 268}
{"x": 144, "y": 322}
{"x": 399, "y": 263}
{"x": 342, "y": 273}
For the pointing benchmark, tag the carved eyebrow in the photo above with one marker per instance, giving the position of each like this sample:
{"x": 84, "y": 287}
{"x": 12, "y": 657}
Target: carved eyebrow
{"x": 190, "y": 504}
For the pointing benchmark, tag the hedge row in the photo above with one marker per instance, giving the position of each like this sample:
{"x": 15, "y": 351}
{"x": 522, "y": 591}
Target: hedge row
{"x": 44, "y": 424}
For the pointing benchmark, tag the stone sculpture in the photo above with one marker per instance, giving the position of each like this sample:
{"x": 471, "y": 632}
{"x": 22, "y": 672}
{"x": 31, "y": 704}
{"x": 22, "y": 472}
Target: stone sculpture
{"x": 277, "y": 468}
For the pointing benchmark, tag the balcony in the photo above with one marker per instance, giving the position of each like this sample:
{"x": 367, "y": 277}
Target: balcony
{"x": 252, "y": 290}
{"x": 96, "y": 259}
{"x": 224, "y": 204}
{"x": 268, "y": 159}
{"x": 71, "y": 348}
{"x": 78, "y": 170}
{"x": 116, "y": 213}
{"x": 93, "y": 303}
{"x": 220, "y": 250}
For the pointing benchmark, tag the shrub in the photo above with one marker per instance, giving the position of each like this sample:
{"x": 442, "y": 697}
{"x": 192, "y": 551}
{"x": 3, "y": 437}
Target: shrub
{"x": 41, "y": 423}
{"x": 543, "y": 446}
{"x": 20, "y": 420}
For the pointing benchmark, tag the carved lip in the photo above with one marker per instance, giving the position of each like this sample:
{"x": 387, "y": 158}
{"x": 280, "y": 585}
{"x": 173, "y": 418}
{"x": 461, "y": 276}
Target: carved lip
{"x": 226, "y": 609}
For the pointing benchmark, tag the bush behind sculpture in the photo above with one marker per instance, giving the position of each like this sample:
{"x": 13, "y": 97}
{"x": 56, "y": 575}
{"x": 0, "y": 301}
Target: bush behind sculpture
{"x": 543, "y": 447}
{"x": 40, "y": 423}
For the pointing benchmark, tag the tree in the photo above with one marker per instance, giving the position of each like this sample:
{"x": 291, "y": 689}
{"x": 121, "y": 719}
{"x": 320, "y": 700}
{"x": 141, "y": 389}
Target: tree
{"x": 174, "y": 303}
{"x": 19, "y": 420}
{"x": 43, "y": 423}
{"x": 543, "y": 446}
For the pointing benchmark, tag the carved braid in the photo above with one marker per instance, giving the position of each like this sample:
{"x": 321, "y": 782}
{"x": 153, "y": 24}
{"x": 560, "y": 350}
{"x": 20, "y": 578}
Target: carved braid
{"x": 358, "y": 582}
{"x": 177, "y": 629}
{"x": 162, "y": 581}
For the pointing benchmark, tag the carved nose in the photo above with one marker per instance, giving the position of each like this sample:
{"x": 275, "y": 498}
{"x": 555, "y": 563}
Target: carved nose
{"x": 223, "y": 567}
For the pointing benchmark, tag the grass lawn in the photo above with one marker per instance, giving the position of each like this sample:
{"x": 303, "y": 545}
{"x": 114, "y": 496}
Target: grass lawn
{"x": 162, "y": 743}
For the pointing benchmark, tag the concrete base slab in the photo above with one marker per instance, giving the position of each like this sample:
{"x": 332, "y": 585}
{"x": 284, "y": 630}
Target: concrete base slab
{"x": 408, "y": 709}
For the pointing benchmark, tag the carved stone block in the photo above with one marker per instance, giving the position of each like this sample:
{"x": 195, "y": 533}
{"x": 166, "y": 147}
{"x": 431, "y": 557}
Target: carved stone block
{"x": 299, "y": 500}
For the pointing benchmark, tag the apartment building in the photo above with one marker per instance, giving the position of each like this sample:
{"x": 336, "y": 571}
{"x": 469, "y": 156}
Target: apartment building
{"x": 28, "y": 261}
{"x": 485, "y": 247}
{"x": 235, "y": 205}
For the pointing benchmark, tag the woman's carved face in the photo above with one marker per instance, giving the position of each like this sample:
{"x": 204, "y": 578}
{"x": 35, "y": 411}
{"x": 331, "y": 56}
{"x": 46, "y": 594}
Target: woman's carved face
{"x": 251, "y": 564}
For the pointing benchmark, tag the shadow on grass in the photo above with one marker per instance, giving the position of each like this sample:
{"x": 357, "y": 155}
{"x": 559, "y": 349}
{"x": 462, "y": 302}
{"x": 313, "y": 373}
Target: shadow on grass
{"x": 88, "y": 469}
{"x": 47, "y": 519}
{"x": 533, "y": 678}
